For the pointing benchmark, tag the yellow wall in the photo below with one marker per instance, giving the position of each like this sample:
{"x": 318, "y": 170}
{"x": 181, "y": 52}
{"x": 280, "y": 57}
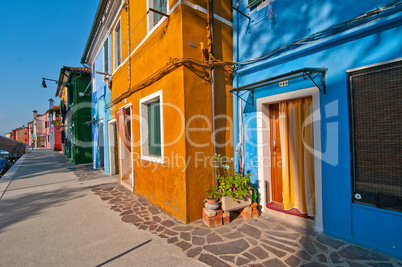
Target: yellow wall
{"x": 177, "y": 190}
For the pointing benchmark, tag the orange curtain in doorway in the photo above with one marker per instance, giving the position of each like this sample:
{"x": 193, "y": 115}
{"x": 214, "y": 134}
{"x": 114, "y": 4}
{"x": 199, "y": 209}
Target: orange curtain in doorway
{"x": 122, "y": 126}
{"x": 295, "y": 129}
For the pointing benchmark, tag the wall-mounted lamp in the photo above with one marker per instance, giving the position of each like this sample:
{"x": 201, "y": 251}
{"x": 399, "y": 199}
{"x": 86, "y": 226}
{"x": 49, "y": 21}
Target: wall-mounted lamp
{"x": 56, "y": 81}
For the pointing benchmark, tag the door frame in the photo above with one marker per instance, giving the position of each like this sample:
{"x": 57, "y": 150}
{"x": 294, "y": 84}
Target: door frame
{"x": 111, "y": 135}
{"x": 264, "y": 149}
{"x": 131, "y": 143}
{"x": 101, "y": 145}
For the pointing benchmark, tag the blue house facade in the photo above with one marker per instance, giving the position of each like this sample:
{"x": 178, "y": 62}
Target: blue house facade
{"x": 317, "y": 114}
{"x": 100, "y": 109}
{"x": 97, "y": 56}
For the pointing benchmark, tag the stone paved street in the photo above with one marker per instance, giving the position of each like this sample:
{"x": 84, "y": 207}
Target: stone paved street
{"x": 264, "y": 241}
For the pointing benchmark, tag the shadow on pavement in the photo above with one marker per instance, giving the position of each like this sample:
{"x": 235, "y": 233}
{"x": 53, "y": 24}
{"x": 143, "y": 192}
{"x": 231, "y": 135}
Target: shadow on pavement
{"x": 25, "y": 206}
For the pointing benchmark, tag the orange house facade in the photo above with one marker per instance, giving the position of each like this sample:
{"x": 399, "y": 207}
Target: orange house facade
{"x": 169, "y": 97}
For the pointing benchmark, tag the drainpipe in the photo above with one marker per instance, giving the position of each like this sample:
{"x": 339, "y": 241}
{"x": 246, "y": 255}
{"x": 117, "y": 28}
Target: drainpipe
{"x": 210, "y": 34}
{"x": 128, "y": 44}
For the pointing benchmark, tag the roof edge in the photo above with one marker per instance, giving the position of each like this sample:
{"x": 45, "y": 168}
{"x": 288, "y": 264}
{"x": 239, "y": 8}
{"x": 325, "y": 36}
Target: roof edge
{"x": 97, "y": 18}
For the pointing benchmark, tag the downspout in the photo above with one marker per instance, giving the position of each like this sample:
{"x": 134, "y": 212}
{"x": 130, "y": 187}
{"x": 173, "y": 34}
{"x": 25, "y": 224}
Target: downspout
{"x": 210, "y": 35}
{"x": 128, "y": 44}
{"x": 236, "y": 130}
{"x": 240, "y": 105}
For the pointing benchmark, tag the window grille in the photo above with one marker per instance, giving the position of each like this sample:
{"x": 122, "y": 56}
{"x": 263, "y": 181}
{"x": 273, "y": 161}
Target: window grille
{"x": 376, "y": 135}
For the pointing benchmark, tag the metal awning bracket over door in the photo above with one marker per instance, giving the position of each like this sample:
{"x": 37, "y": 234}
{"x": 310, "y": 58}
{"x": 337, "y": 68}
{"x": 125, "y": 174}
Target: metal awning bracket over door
{"x": 311, "y": 73}
{"x": 239, "y": 95}
{"x": 320, "y": 87}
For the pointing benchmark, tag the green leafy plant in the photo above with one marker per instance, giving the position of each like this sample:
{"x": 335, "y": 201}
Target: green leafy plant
{"x": 212, "y": 193}
{"x": 234, "y": 185}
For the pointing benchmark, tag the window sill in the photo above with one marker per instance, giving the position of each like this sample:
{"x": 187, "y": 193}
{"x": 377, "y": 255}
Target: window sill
{"x": 152, "y": 159}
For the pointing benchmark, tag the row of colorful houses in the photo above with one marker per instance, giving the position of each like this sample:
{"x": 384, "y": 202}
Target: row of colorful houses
{"x": 40, "y": 132}
{"x": 303, "y": 95}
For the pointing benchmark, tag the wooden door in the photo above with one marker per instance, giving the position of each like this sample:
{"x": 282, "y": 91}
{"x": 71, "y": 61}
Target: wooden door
{"x": 276, "y": 164}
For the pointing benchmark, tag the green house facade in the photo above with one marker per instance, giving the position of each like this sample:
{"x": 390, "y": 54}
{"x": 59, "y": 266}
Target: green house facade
{"x": 74, "y": 90}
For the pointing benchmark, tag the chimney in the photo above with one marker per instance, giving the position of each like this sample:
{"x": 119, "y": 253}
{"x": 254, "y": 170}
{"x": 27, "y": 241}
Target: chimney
{"x": 51, "y": 101}
{"x": 35, "y": 113}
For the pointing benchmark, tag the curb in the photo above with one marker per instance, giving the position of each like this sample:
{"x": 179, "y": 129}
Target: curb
{"x": 10, "y": 174}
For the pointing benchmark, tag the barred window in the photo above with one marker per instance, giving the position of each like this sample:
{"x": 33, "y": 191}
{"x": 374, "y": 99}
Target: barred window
{"x": 376, "y": 127}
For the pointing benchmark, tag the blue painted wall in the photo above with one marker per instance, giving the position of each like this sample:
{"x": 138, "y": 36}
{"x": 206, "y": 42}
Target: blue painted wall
{"x": 100, "y": 112}
{"x": 371, "y": 43}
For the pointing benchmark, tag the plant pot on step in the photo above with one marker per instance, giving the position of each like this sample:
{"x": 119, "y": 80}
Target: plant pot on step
{"x": 230, "y": 203}
{"x": 211, "y": 203}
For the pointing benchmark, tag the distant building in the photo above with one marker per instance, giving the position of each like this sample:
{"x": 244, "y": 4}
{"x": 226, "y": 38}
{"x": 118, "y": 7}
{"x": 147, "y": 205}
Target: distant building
{"x": 53, "y": 128}
{"x": 39, "y": 129}
{"x": 21, "y": 134}
{"x": 30, "y": 133}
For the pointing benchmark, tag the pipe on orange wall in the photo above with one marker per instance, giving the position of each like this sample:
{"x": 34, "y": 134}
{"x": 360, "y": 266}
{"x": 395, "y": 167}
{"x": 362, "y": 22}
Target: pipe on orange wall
{"x": 128, "y": 44}
{"x": 210, "y": 35}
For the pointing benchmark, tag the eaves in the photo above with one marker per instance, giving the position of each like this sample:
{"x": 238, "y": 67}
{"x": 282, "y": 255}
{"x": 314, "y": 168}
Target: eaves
{"x": 103, "y": 21}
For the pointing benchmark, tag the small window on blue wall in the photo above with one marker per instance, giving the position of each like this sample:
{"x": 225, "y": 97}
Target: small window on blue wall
{"x": 253, "y": 3}
{"x": 105, "y": 56}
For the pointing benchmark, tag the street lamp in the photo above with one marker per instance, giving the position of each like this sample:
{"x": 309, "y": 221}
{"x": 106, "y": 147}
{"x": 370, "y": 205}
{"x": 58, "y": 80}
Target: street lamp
{"x": 56, "y": 81}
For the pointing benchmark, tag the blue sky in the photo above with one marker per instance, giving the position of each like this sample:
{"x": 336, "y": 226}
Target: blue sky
{"x": 37, "y": 39}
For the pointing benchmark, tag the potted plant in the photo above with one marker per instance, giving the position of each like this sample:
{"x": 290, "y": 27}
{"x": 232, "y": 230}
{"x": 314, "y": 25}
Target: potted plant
{"x": 235, "y": 189}
{"x": 212, "y": 198}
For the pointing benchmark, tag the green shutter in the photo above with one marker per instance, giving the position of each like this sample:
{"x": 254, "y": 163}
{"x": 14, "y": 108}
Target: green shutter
{"x": 105, "y": 56}
{"x": 154, "y": 129}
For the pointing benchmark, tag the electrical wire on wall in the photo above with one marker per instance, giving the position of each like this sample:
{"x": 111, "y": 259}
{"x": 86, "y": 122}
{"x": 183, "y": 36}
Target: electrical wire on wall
{"x": 173, "y": 64}
{"x": 326, "y": 33}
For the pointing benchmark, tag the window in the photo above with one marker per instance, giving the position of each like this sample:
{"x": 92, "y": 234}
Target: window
{"x": 154, "y": 131}
{"x": 376, "y": 133}
{"x": 117, "y": 46}
{"x": 93, "y": 78}
{"x": 154, "y": 18}
{"x": 152, "y": 127}
{"x": 106, "y": 56}
{"x": 253, "y": 3}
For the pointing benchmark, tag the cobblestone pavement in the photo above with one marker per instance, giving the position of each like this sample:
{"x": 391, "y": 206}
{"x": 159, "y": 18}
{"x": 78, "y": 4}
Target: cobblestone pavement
{"x": 264, "y": 241}
{"x": 82, "y": 171}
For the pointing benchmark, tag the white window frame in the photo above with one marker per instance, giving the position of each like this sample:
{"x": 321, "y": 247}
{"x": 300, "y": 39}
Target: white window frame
{"x": 150, "y": 4}
{"x": 115, "y": 64}
{"x": 157, "y": 96}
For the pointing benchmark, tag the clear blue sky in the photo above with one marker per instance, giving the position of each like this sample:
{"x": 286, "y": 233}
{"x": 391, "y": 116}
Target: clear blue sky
{"x": 37, "y": 39}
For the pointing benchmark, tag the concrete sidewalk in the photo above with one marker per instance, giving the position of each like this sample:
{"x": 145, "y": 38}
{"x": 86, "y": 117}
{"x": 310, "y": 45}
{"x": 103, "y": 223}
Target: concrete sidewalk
{"x": 50, "y": 217}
